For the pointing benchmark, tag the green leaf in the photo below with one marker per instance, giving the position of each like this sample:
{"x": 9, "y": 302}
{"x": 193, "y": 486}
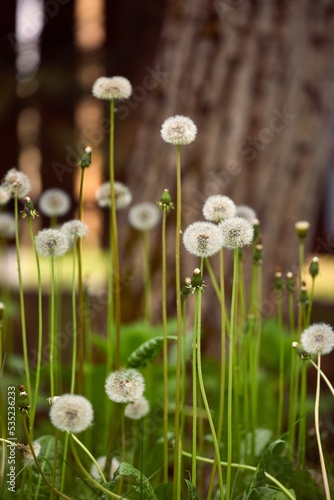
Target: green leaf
{"x": 142, "y": 484}
{"x": 147, "y": 351}
{"x": 192, "y": 493}
{"x": 164, "y": 491}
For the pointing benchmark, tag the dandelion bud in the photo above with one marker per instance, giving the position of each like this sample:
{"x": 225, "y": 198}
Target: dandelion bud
{"x": 218, "y": 208}
{"x": 137, "y": 409}
{"x": 86, "y": 158}
{"x": 116, "y": 87}
{"x": 300, "y": 351}
{"x": 178, "y": 130}
{"x": 302, "y": 228}
{"x": 314, "y": 267}
{"x": 257, "y": 229}
{"x": 23, "y": 402}
{"x": 303, "y": 298}
{"x": 318, "y": 338}
{"x": 258, "y": 254}
{"x": 278, "y": 282}
{"x": 290, "y": 282}
{"x": 197, "y": 279}
{"x": 72, "y": 413}
{"x": 165, "y": 202}
{"x": 125, "y": 386}
{"x": 29, "y": 210}
{"x": 186, "y": 289}
{"x": 51, "y": 400}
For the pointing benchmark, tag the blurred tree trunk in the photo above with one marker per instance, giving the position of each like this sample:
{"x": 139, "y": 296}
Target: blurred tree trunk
{"x": 257, "y": 79}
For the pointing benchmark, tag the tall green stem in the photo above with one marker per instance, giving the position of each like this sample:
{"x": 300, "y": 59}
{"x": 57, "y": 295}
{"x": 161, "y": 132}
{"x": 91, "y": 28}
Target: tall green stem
{"x": 74, "y": 318}
{"x": 147, "y": 278}
{"x": 81, "y": 329}
{"x": 281, "y": 363}
{"x": 165, "y": 345}
{"x": 52, "y": 329}
{"x": 194, "y": 397}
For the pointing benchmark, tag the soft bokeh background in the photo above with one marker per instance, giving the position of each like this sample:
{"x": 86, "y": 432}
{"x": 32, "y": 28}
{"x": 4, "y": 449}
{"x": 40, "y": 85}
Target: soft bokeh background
{"x": 256, "y": 77}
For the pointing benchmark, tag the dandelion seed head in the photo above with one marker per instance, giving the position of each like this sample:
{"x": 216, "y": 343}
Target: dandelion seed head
{"x": 71, "y": 413}
{"x": 116, "y": 87}
{"x": 236, "y": 232}
{"x": 7, "y": 225}
{"x": 178, "y": 130}
{"x": 102, "y": 462}
{"x": 51, "y": 243}
{"x": 246, "y": 212}
{"x": 74, "y": 229}
{"x": 123, "y": 196}
{"x": 202, "y": 239}
{"x": 137, "y": 409}
{"x": 28, "y": 458}
{"x": 54, "y": 203}
{"x": 218, "y": 208}
{"x": 17, "y": 184}
{"x": 144, "y": 216}
{"x": 4, "y": 196}
{"x": 318, "y": 337}
{"x": 125, "y": 386}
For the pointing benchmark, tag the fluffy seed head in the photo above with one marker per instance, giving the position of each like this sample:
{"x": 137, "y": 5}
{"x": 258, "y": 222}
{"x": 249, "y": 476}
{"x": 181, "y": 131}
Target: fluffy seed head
{"x": 218, "y": 208}
{"x": 4, "y": 196}
{"x": 178, "y": 130}
{"x": 54, "y": 203}
{"x": 74, "y": 229}
{"x": 318, "y": 337}
{"x": 246, "y": 212}
{"x": 116, "y": 87}
{"x": 236, "y": 232}
{"x": 137, "y": 409}
{"x": 51, "y": 243}
{"x": 16, "y": 183}
{"x": 102, "y": 462}
{"x": 7, "y": 225}
{"x": 28, "y": 458}
{"x": 123, "y": 196}
{"x": 125, "y": 386}
{"x": 202, "y": 239}
{"x": 144, "y": 216}
{"x": 71, "y": 413}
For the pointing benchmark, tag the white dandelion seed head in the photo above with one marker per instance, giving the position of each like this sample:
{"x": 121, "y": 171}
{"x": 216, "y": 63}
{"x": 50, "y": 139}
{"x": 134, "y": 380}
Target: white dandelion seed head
{"x": 246, "y": 212}
{"x": 74, "y": 229}
{"x": 123, "y": 196}
{"x": 54, "y": 202}
{"x": 71, "y": 413}
{"x": 318, "y": 337}
{"x": 236, "y": 232}
{"x": 17, "y": 184}
{"x": 102, "y": 462}
{"x": 125, "y": 386}
{"x": 137, "y": 409}
{"x": 116, "y": 87}
{"x": 51, "y": 243}
{"x": 7, "y": 225}
{"x": 218, "y": 208}
{"x": 4, "y": 196}
{"x": 144, "y": 216}
{"x": 202, "y": 239}
{"x": 28, "y": 458}
{"x": 178, "y": 130}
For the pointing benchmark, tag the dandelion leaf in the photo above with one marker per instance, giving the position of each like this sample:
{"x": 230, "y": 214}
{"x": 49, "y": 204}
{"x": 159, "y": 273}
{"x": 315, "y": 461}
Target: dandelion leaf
{"x": 142, "y": 484}
{"x": 147, "y": 351}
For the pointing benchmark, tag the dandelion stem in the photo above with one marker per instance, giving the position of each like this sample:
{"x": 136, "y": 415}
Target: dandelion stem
{"x": 165, "y": 345}
{"x": 147, "y": 277}
{"x": 331, "y": 388}
{"x": 281, "y": 363}
{"x": 194, "y": 397}
{"x": 52, "y": 329}
{"x": 81, "y": 329}
{"x": 74, "y": 319}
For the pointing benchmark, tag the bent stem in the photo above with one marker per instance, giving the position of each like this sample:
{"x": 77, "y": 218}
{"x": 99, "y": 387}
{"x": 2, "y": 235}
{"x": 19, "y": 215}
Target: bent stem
{"x": 317, "y": 431}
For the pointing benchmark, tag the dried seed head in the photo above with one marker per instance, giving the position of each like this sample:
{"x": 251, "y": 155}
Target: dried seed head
{"x": 137, "y": 409}
{"x": 246, "y": 212}
{"x": 318, "y": 337}
{"x": 236, "y": 232}
{"x": 178, "y": 130}
{"x": 28, "y": 458}
{"x": 116, "y": 87}
{"x": 51, "y": 243}
{"x": 16, "y": 183}
{"x": 202, "y": 239}
{"x": 71, "y": 413}
{"x": 218, "y": 208}
{"x": 74, "y": 229}
{"x": 54, "y": 203}
{"x": 144, "y": 216}
{"x": 125, "y": 386}
{"x": 4, "y": 196}
{"x": 123, "y": 196}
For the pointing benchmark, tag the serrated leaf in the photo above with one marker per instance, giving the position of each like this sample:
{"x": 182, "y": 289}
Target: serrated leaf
{"x": 147, "y": 351}
{"x": 142, "y": 484}
{"x": 164, "y": 491}
{"x": 192, "y": 493}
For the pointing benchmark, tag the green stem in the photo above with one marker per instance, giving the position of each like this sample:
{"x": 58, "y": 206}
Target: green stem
{"x": 317, "y": 431}
{"x": 81, "y": 329}
{"x": 21, "y": 294}
{"x": 230, "y": 373}
{"x": 330, "y": 387}
{"x": 218, "y": 292}
{"x": 147, "y": 278}
{"x": 281, "y": 364}
{"x": 64, "y": 465}
{"x": 194, "y": 397}
{"x": 52, "y": 329}
{"x": 310, "y": 304}
{"x": 88, "y": 453}
{"x": 74, "y": 319}
{"x": 302, "y": 419}
{"x": 165, "y": 346}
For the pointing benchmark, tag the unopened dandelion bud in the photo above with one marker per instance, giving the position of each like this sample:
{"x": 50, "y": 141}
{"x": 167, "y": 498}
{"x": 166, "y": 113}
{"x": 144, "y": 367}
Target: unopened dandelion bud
{"x": 257, "y": 229}
{"x": 29, "y": 210}
{"x": 23, "y": 402}
{"x": 314, "y": 267}
{"x": 300, "y": 351}
{"x": 186, "y": 288}
{"x": 51, "y": 400}
{"x": 86, "y": 158}
{"x": 165, "y": 202}
{"x": 302, "y": 228}
{"x": 303, "y": 298}
{"x": 197, "y": 279}
{"x": 258, "y": 254}
{"x": 278, "y": 281}
{"x": 290, "y": 282}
